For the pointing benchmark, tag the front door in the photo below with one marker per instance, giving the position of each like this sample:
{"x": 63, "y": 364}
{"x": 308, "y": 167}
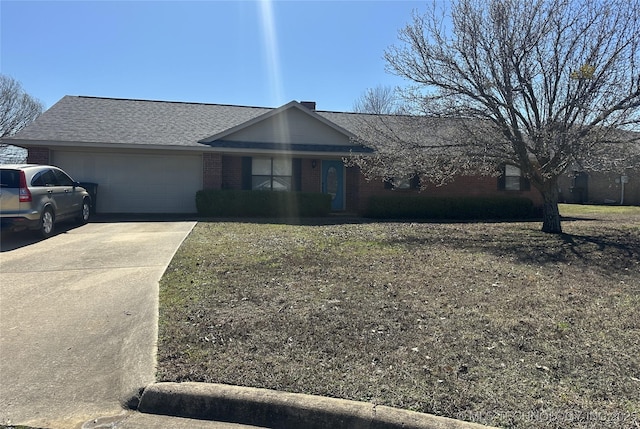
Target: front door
{"x": 333, "y": 183}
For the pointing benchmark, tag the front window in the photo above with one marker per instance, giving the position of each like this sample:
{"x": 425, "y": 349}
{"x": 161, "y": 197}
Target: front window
{"x": 511, "y": 178}
{"x": 271, "y": 174}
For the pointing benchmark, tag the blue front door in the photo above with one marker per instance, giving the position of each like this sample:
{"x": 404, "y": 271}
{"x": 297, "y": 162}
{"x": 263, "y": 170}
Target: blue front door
{"x": 333, "y": 183}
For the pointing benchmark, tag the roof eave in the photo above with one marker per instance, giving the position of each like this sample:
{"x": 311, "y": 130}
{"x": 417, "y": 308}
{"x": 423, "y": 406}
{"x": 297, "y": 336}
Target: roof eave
{"x": 283, "y": 152}
{"x": 297, "y": 148}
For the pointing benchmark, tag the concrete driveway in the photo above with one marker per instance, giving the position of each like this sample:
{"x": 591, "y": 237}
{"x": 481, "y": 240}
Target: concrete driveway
{"x": 78, "y": 319}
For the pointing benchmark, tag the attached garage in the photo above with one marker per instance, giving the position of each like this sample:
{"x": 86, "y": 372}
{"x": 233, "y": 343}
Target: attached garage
{"x": 136, "y": 182}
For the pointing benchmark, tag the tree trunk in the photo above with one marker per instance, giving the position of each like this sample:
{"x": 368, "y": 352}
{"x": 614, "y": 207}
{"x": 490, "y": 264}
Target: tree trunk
{"x": 550, "y": 213}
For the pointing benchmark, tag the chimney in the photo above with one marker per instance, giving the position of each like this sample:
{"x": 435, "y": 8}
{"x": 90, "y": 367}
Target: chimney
{"x": 311, "y": 105}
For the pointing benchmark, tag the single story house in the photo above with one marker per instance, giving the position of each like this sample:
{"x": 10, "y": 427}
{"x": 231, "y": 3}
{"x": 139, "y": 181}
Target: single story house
{"x": 591, "y": 187}
{"x": 153, "y": 156}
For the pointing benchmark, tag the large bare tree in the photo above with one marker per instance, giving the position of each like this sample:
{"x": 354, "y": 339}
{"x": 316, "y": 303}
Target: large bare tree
{"x": 17, "y": 108}
{"x": 542, "y": 85}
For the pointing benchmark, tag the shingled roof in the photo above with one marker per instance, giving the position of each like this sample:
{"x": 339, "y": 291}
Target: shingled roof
{"x": 95, "y": 120}
{"x": 134, "y": 122}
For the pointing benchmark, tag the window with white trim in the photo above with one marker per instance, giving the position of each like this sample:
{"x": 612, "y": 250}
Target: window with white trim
{"x": 511, "y": 178}
{"x": 271, "y": 174}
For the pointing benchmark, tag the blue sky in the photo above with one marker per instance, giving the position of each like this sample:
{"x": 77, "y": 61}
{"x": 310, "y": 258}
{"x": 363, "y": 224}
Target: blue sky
{"x": 230, "y": 52}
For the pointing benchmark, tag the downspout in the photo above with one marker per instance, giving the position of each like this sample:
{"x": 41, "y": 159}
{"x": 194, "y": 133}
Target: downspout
{"x": 623, "y": 180}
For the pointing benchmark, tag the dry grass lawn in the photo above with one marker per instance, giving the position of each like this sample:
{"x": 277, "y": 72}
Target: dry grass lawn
{"x": 496, "y": 323}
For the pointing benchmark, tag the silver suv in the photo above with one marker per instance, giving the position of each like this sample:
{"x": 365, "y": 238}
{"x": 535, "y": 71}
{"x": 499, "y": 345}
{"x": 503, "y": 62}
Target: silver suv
{"x": 37, "y": 196}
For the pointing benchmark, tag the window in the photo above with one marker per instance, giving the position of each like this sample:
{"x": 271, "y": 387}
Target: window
{"x": 271, "y": 174}
{"x": 403, "y": 183}
{"x": 62, "y": 179}
{"x": 9, "y": 178}
{"x": 512, "y": 179}
{"x": 44, "y": 178}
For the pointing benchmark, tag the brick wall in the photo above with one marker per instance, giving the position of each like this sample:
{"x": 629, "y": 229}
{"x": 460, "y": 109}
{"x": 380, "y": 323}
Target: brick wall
{"x": 232, "y": 172}
{"x": 475, "y": 186}
{"x": 311, "y": 181}
{"x": 211, "y": 171}
{"x": 225, "y": 172}
{"x": 38, "y": 155}
{"x": 355, "y": 181}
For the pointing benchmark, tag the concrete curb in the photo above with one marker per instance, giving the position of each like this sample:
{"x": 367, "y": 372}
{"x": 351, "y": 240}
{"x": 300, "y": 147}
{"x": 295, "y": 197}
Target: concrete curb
{"x": 280, "y": 410}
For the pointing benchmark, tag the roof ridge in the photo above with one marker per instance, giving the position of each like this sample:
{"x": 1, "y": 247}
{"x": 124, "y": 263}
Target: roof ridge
{"x": 146, "y": 100}
{"x": 96, "y": 97}
{"x": 392, "y": 115}
{"x": 169, "y": 101}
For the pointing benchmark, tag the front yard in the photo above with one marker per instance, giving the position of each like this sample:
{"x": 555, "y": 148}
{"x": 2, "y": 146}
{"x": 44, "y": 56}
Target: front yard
{"x": 495, "y": 323}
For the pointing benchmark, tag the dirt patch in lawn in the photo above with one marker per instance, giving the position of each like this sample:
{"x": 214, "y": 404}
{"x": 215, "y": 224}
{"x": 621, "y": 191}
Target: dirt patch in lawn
{"x": 496, "y": 323}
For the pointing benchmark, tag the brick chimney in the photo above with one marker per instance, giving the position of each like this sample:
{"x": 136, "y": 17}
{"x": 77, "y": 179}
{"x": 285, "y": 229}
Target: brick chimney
{"x": 311, "y": 105}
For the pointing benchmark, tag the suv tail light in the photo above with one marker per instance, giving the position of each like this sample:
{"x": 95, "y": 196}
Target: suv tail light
{"x": 25, "y": 193}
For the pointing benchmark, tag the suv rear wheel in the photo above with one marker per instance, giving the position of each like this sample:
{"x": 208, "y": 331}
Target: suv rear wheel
{"x": 46, "y": 223}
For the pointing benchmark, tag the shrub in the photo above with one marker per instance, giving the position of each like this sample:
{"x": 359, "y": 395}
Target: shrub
{"x": 232, "y": 203}
{"x": 455, "y": 208}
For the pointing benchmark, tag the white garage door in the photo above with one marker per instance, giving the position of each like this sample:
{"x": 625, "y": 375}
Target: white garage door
{"x": 137, "y": 183}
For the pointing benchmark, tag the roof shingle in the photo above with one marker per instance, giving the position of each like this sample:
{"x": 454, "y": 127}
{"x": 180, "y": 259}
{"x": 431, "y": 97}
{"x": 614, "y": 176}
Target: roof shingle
{"x": 95, "y": 120}
{"x": 137, "y": 122}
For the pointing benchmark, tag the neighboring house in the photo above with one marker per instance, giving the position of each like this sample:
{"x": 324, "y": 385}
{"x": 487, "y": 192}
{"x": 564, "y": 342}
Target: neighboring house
{"x": 601, "y": 188}
{"x": 153, "y": 156}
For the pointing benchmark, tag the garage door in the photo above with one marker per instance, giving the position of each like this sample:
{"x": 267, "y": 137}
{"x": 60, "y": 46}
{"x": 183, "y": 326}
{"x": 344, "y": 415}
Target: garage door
{"x": 137, "y": 183}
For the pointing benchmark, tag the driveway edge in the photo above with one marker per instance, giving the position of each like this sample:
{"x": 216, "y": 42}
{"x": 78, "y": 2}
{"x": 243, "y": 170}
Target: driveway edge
{"x": 274, "y": 409}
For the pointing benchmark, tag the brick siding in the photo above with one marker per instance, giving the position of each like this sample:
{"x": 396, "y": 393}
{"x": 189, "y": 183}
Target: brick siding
{"x": 474, "y": 186}
{"x": 38, "y": 155}
{"x": 225, "y": 172}
{"x": 354, "y": 183}
{"x": 310, "y": 171}
{"x": 211, "y": 171}
{"x": 232, "y": 172}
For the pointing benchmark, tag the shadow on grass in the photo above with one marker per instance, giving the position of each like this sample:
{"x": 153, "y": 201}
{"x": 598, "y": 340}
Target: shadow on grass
{"x": 624, "y": 245}
{"x": 606, "y": 249}
{"x": 591, "y": 243}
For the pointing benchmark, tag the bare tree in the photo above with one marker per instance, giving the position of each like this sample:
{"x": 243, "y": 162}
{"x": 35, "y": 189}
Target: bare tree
{"x": 381, "y": 100}
{"x": 17, "y": 108}
{"x": 540, "y": 85}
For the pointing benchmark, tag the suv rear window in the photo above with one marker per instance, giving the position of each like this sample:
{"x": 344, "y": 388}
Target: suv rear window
{"x": 9, "y": 178}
